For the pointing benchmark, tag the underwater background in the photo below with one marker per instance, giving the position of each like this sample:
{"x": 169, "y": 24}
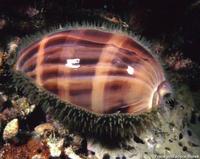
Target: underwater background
{"x": 172, "y": 29}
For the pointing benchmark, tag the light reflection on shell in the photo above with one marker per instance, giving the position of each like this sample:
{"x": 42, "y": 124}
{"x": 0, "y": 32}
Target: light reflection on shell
{"x": 99, "y": 71}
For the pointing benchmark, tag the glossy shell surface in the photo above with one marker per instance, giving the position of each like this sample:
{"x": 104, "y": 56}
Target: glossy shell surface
{"x": 102, "y": 72}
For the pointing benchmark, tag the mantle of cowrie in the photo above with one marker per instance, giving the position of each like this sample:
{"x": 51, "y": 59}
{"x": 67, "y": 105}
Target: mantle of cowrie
{"x": 99, "y": 71}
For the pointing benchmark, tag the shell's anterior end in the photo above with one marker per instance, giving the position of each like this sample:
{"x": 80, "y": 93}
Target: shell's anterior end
{"x": 102, "y": 72}
{"x": 164, "y": 90}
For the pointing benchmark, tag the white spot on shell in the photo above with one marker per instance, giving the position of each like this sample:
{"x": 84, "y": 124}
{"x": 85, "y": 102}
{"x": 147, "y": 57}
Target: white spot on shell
{"x": 130, "y": 70}
{"x": 73, "y": 63}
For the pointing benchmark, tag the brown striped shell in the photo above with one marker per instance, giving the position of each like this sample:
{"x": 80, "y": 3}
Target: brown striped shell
{"x": 99, "y": 71}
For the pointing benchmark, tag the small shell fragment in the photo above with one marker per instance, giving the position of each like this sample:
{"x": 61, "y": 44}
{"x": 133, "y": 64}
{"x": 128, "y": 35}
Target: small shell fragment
{"x": 23, "y": 106}
{"x": 11, "y": 129}
{"x": 43, "y": 128}
{"x": 70, "y": 153}
{"x": 55, "y": 146}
